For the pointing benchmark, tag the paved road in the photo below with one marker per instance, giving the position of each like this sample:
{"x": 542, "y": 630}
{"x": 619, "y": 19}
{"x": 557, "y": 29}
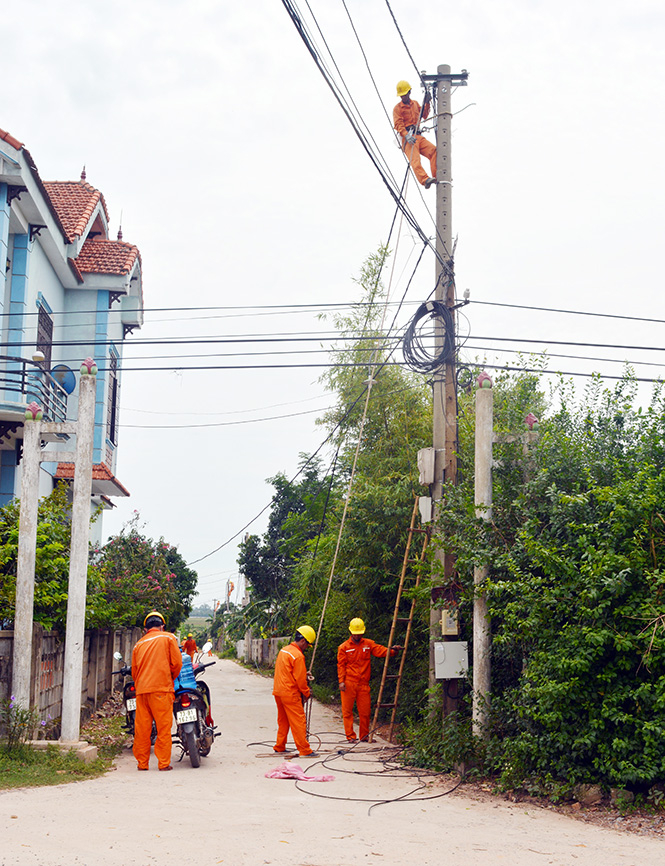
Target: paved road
{"x": 227, "y": 812}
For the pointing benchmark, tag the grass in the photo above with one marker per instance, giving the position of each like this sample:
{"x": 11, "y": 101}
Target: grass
{"x": 25, "y": 768}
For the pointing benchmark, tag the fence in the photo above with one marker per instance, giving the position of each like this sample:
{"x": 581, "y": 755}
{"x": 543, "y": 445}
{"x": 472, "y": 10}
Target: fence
{"x": 261, "y": 651}
{"x": 48, "y": 653}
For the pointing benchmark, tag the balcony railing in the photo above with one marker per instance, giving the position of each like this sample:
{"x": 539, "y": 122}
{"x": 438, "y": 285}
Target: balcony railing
{"x": 24, "y": 381}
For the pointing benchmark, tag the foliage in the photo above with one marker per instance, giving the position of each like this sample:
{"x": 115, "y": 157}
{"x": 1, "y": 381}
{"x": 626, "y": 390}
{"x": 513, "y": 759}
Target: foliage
{"x": 268, "y": 563}
{"x": 575, "y": 592}
{"x": 18, "y": 725}
{"x": 138, "y": 574}
{"x": 51, "y": 560}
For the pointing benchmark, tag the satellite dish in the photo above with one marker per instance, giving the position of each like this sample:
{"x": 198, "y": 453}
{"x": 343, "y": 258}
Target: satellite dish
{"x": 64, "y": 377}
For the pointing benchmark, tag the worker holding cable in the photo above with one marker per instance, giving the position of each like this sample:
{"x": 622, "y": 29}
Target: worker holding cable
{"x": 407, "y": 116}
{"x": 354, "y": 668}
{"x": 291, "y": 690}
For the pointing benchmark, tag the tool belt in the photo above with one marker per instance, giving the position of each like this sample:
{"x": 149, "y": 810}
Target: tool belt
{"x": 414, "y": 130}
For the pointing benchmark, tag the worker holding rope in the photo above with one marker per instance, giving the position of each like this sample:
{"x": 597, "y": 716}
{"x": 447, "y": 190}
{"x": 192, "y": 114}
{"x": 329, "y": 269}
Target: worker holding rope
{"x": 407, "y": 115}
{"x": 291, "y": 691}
{"x": 354, "y": 668}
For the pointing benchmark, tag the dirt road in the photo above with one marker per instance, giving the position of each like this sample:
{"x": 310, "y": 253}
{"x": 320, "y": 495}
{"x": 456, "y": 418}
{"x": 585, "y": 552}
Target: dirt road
{"x": 227, "y": 812}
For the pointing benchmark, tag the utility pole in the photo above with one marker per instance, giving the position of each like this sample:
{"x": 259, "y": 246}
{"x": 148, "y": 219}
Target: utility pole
{"x": 482, "y": 635}
{"x": 78, "y": 558}
{"x": 444, "y": 384}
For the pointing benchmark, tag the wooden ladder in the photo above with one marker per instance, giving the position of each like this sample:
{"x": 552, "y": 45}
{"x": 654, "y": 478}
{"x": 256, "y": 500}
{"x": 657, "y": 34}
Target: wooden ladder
{"x": 401, "y": 620}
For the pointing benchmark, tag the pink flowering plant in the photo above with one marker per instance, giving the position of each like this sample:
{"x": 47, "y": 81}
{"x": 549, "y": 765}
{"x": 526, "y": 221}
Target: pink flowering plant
{"x": 139, "y": 574}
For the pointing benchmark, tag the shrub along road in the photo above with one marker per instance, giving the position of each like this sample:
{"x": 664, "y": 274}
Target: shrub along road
{"x": 227, "y": 811}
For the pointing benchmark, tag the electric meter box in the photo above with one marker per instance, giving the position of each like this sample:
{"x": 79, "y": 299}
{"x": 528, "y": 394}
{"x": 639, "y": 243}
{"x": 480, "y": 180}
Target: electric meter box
{"x": 426, "y": 465}
{"x": 425, "y": 508}
{"x": 451, "y": 659}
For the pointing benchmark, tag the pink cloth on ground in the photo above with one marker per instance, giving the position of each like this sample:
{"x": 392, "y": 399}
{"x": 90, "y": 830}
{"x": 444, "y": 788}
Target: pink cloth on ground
{"x": 293, "y": 771}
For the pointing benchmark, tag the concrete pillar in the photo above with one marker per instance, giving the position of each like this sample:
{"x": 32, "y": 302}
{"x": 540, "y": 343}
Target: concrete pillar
{"x": 25, "y": 566}
{"x": 78, "y": 562}
{"x": 482, "y": 635}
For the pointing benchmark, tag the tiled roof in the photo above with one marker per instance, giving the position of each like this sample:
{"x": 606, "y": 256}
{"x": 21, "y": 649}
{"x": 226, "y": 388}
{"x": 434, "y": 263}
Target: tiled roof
{"x": 15, "y": 143}
{"x": 74, "y": 202}
{"x": 100, "y": 472}
{"x": 106, "y": 257}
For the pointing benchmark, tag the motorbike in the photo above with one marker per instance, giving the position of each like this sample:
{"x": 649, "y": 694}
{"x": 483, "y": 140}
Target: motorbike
{"x": 128, "y": 694}
{"x": 129, "y": 698}
{"x": 195, "y": 729}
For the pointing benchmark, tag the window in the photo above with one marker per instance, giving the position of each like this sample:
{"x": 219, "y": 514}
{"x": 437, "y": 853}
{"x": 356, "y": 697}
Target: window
{"x": 45, "y": 336}
{"x": 112, "y": 408}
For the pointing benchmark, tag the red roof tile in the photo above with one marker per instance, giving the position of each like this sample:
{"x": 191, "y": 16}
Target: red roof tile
{"x": 74, "y": 202}
{"x": 100, "y": 472}
{"x": 15, "y": 143}
{"x": 106, "y": 257}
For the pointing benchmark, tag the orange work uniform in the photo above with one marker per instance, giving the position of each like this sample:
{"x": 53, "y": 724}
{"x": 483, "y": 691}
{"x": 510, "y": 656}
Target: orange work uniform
{"x": 354, "y": 668}
{"x": 190, "y": 647}
{"x": 404, "y": 116}
{"x": 156, "y": 662}
{"x": 290, "y": 688}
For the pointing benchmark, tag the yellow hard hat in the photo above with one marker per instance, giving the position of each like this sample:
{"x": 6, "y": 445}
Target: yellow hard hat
{"x": 403, "y": 88}
{"x": 190, "y": 635}
{"x": 154, "y": 613}
{"x": 307, "y": 632}
{"x": 357, "y": 626}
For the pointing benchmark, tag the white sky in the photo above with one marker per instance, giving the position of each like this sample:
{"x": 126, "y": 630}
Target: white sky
{"x": 241, "y": 181}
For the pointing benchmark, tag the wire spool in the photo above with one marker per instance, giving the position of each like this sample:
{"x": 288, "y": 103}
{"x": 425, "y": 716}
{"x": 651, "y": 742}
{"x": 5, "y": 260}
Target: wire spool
{"x": 417, "y": 357}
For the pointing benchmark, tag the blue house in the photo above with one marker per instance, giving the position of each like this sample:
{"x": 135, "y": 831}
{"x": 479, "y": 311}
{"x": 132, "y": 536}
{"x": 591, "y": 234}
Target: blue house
{"x": 70, "y": 292}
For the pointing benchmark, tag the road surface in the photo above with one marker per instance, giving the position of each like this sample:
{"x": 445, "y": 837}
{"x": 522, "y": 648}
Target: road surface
{"x": 227, "y": 812}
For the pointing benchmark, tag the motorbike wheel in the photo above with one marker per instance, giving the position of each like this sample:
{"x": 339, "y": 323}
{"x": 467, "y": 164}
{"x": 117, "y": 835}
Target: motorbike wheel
{"x": 193, "y": 749}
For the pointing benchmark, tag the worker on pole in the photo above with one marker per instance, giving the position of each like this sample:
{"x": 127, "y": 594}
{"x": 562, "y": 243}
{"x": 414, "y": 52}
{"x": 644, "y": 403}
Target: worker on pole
{"x": 354, "y": 668}
{"x": 291, "y": 690}
{"x": 156, "y": 662}
{"x": 407, "y": 116}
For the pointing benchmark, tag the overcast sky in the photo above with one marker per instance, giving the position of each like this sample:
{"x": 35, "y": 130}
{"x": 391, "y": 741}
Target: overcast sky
{"x": 207, "y": 125}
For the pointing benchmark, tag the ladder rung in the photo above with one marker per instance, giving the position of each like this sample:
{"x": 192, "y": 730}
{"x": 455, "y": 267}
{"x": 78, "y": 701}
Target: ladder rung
{"x": 386, "y": 706}
{"x": 403, "y": 619}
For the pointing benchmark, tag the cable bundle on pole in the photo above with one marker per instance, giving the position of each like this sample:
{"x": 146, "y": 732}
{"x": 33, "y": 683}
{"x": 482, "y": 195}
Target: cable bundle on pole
{"x": 416, "y": 356}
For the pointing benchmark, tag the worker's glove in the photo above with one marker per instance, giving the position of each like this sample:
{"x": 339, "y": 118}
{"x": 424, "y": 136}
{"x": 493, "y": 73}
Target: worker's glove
{"x": 427, "y": 98}
{"x": 410, "y": 138}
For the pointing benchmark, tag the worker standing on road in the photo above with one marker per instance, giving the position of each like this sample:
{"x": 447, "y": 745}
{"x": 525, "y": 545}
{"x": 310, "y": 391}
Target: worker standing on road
{"x": 291, "y": 690}
{"x": 156, "y": 662}
{"x": 189, "y": 646}
{"x": 407, "y": 116}
{"x": 354, "y": 668}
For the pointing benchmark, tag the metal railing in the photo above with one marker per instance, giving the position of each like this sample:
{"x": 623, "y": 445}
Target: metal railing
{"x": 29, "y": 381}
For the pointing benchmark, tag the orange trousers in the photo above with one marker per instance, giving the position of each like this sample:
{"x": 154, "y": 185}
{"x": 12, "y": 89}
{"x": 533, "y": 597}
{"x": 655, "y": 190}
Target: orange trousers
{"x": 290, "y": 714}
{"x": 157, "y": 706}
{"x": 413, "y": 152}
{"x": 356, "y": 693}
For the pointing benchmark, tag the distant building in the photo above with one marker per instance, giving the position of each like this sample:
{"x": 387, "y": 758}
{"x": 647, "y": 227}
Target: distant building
{"x": 69, "y": 292}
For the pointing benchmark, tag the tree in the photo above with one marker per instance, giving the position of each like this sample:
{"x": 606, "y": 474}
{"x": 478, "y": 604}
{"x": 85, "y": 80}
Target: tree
{"x": 139, "y": 575}
{"x": 51, "y": 560}
{"x": 575, "y": 592}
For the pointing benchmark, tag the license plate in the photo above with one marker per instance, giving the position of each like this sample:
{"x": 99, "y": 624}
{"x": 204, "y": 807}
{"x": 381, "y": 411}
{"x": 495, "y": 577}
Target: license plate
{"x": 131, "y": 703}
{"x": 186, "y": 716}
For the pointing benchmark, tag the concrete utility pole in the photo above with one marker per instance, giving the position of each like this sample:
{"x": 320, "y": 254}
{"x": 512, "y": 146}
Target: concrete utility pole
{"x": 34, "y": 430}
{"x": 78, "y": 559}
{"x": 444, "y": 384}
{"x": 25, "y": 565}
{"x": 482, "y": 635}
